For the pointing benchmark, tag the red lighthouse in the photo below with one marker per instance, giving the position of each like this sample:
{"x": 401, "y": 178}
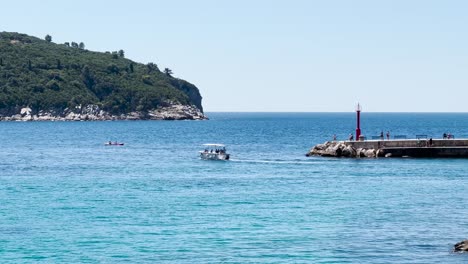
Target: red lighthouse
{"x": 358, "y": 128}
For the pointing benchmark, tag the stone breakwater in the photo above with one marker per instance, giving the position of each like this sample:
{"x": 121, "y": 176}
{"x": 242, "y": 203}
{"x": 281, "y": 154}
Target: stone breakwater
{"x": 342, "y": 149}
{"x": 95, "y": 113}
{"x": 393, "y": 148}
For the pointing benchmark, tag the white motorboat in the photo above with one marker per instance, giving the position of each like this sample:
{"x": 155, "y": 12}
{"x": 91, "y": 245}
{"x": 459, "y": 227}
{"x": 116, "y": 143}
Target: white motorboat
{"x": 214, "y": 152}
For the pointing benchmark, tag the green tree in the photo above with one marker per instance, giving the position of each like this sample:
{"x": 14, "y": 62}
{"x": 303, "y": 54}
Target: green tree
{"x": 131, "y": 67}
{"x": 121, "y": 53}
{"x": 48, "y": 38}
{"x": 168, "y": 72}
{"x": 53, "y": 85}
{"x": 147, "y": 79}
{"x": 59, "y": 64}
{"x": 87, "y": 77}
{"x": 81, "y": 45}
{"x": 67, "y": 44}
{"x": 115, "y": 55}
{"x": 112, "y": 68}
{"x": 74, "y": 44}
{"x": 151, "y": 67}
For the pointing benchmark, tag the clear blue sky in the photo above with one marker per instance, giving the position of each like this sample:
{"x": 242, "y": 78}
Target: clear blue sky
{"x": 312, "y": 56}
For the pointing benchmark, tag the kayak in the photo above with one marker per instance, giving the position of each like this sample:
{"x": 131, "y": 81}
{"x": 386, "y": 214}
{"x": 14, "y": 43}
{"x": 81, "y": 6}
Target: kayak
{"x": 113, "y": 144}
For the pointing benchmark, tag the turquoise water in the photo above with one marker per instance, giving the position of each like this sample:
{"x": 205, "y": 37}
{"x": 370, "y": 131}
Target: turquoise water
{"x": 65, "y": 197}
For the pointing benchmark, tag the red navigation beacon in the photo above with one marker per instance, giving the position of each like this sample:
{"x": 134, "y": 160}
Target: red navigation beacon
{"x": 358, "y": 128}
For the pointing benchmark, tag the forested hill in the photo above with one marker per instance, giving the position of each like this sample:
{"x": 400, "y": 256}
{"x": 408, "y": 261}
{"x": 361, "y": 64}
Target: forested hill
{"x": 42, "y": 75}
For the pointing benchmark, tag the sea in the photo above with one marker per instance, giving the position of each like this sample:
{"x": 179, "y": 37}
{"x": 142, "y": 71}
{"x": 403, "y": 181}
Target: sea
{"x": 65, "y": 197}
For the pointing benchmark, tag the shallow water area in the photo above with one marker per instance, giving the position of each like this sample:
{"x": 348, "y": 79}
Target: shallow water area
{"x": 66, "y": 197}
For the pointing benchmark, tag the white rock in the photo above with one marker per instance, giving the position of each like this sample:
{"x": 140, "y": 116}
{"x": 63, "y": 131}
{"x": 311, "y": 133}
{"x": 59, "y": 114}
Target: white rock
{"x": 25, "y": 111}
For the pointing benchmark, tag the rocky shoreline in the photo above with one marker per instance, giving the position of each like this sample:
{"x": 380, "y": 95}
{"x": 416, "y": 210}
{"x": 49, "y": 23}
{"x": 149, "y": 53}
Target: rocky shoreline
{"x": 95, "y": 113}
{"x": 341, "y": 149}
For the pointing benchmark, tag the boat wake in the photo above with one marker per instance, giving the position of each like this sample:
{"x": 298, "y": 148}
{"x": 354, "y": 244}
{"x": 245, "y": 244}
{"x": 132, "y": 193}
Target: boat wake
{"x": 277, "y": 161}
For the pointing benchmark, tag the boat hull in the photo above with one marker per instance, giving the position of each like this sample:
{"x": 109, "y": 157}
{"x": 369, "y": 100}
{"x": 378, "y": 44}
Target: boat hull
{"x": 214, "y": 156}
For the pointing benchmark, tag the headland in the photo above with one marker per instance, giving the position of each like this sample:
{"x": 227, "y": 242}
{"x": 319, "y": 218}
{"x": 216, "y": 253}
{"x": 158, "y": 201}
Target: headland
{"x": 45, "y": 81}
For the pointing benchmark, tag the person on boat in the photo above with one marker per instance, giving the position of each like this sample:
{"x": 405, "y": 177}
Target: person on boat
{"x": 110, "y": 142}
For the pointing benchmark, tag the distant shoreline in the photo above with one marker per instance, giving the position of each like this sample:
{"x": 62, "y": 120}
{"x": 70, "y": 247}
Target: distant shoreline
{"x": 94, "y": 113}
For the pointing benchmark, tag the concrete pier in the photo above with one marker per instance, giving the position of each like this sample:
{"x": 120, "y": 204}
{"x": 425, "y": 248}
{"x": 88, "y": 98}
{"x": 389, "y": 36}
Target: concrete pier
{"x": 416, "y": 147}
{"x": 450, "y": 148}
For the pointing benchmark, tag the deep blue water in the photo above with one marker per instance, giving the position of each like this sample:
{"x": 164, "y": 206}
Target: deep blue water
{"x": 65, "y": 197}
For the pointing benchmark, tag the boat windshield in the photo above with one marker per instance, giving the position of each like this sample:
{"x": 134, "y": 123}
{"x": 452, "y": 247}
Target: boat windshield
{"x": 217, "y": 148}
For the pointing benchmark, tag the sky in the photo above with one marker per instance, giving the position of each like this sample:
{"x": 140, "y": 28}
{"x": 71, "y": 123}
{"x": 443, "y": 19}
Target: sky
{"x": 278, "y": 56}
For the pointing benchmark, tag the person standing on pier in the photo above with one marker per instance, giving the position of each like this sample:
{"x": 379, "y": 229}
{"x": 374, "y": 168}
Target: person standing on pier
{"x": 381, "y": 135}
{"x": 388, "y": 135}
